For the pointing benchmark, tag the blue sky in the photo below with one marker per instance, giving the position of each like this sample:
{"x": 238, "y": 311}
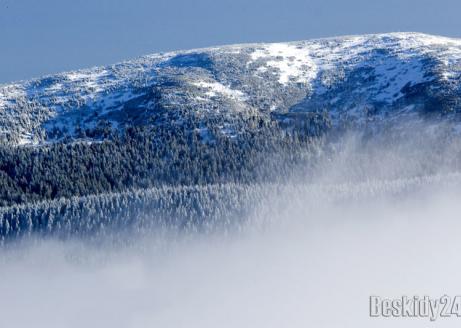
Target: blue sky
{"x": 39, "y": 37}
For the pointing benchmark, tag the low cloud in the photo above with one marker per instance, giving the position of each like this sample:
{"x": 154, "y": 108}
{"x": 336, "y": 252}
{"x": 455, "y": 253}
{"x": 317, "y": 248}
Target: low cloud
{"x": 309, "y": 256}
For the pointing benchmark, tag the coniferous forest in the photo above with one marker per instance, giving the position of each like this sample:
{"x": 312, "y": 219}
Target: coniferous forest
{"x": 145, "y": 176}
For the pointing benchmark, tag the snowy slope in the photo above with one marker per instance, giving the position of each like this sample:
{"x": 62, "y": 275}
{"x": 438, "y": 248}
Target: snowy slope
{"x": 354, "y": 79}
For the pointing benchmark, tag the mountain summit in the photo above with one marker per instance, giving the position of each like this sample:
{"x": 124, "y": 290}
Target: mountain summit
{"x": 360, "y": 80}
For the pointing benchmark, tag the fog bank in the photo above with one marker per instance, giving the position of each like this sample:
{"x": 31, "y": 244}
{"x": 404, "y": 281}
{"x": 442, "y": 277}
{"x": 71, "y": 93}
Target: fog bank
{"x": 306, "y": 257}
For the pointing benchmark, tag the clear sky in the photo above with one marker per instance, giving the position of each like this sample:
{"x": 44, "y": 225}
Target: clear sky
{"x": 39, "y": 37}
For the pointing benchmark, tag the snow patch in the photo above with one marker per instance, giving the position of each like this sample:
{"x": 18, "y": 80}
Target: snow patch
{"x": 214, "y": 89}
{"x": 293, "y": 62}
{"x": 9, "y": 94}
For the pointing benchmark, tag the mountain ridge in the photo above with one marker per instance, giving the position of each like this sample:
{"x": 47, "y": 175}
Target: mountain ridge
{"x": 226, "y": 45}
{"x": 358, "y": 79}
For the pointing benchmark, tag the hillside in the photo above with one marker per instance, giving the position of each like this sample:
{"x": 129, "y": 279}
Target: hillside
{"x": 344, "y": 81}
{"x": 191, "y": 139}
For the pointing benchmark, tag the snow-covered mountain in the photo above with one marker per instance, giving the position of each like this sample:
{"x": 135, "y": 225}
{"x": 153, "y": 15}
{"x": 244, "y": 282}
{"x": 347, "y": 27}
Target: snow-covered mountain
{"x": 359, "y": 80}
